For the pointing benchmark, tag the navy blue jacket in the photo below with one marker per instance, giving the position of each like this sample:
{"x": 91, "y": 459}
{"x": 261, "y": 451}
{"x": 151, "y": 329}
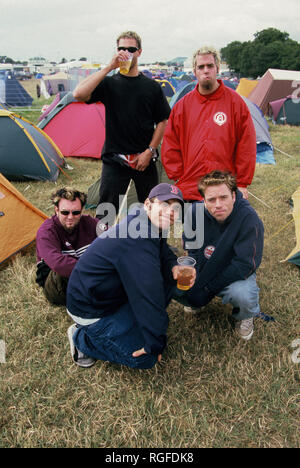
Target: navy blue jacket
{"x": 231, "y": 251}
{"x": 119, "y": 268}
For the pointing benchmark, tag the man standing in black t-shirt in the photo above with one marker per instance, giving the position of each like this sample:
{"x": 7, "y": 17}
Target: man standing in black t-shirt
{"x": 136, "y": 113}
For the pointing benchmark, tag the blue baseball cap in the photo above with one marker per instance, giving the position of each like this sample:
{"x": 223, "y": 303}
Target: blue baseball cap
{"x": 165, "y": 192}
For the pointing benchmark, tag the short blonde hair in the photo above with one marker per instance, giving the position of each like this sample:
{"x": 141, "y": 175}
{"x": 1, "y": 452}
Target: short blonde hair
{"x": 207, "y": 50}
{"x": 130, "y": 35}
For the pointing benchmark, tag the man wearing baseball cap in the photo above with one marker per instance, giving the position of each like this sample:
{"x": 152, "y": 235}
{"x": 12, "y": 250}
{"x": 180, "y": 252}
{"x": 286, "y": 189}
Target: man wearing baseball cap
{"x": 119, "y": 290}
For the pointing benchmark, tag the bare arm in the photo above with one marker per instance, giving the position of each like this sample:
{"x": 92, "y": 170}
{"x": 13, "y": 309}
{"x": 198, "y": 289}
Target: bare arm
{"x": 84, "y": 89}
{"x": 244, "y": 191}
{"x": 145, "y": 157}
{"x": 158, "y": 133}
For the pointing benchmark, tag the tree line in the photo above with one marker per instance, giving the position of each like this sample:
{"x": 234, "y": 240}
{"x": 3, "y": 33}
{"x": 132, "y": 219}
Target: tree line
{"x": 270, "y": 48}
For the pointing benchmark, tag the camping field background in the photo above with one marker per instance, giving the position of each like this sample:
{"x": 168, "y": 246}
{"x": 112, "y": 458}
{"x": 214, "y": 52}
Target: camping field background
{"x": 210, "y": 390}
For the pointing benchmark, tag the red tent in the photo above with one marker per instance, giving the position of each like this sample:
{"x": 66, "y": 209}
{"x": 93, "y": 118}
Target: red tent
{"x": 49, "y": 108}
{"x": 78, "y": 129}
{"x": 274, "y": 85}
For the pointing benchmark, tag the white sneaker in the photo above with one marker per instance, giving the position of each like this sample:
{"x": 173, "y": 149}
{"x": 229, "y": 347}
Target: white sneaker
{"x": 245, "y": 328}
{"x": 78, "y": 357}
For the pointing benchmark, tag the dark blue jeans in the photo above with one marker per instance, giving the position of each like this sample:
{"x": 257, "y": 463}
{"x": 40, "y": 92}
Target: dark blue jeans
{"x": 115, "y": 337}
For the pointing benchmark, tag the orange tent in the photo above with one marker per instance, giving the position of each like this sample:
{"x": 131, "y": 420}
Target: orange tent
{"x": 19, "y": 220}
{"x": 246, "y": 86}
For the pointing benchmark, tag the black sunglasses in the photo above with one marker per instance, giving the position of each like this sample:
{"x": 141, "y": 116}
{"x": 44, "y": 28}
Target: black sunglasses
{"x": 132, "y": 50}
{"x": 67, "y": 212}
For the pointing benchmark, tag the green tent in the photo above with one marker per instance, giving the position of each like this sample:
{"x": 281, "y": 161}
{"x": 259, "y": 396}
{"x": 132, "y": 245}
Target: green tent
{"x": 26, "y": 152}
{"x": 285, "y": 111}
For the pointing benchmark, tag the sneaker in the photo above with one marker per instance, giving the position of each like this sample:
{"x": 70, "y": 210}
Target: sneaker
{"x": 245, "y": 328}
{"x": 78, "y": 357}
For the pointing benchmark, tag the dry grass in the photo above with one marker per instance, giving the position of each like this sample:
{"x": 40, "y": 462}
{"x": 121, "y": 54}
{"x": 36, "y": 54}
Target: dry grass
{"x": 211, "y": 389}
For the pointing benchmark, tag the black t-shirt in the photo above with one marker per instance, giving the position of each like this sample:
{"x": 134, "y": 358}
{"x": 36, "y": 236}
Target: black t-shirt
{"x": 133, "y": 105}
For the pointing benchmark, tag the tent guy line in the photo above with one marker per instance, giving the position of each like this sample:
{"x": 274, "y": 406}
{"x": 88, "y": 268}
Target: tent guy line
{"x": 283, "y": 152}
{"x": 284, "y": 185}
{"x": 261, "y": 201}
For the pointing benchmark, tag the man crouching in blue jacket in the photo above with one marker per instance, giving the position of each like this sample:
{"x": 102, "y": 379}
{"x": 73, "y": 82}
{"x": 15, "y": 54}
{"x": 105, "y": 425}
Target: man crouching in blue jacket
{"x": 119, "y": 290}
{"x": 231, "y": 251}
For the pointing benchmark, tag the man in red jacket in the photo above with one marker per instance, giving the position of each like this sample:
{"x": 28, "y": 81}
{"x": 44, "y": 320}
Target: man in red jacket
{"x": 210, "y": 128}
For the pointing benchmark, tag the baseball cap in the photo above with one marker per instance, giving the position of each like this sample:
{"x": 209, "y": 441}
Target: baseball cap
{"x": 165, "y": 192}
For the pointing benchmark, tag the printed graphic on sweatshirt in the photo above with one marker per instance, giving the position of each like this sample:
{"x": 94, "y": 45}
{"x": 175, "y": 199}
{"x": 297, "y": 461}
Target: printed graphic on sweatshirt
{"x": 75, "y": 253}
{"x": 208, "y": 251}
{"x": 220, "y": 118}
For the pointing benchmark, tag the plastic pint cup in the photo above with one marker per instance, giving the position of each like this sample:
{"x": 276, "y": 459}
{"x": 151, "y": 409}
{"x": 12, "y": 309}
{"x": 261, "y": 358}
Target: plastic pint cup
{"x": 125, "y": 65}
{"x": 185, "y": 272}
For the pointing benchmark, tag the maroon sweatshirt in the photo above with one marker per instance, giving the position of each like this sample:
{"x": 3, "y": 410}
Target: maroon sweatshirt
{"x": 60, "y": 249}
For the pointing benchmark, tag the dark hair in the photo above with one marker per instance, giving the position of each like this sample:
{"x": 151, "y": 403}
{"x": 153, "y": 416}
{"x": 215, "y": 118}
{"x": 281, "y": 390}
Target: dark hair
{"x": 217, "y": 178}
{"x": 68, "y": 193}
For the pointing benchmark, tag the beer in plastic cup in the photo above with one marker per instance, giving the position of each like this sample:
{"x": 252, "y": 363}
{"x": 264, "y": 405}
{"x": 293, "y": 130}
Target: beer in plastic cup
{"x": 125, "y": 65}
{"x": 185, "y": 272}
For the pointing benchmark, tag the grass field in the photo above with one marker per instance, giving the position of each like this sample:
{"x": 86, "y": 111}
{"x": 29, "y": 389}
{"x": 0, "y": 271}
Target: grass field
{"x": 210, "y": 390}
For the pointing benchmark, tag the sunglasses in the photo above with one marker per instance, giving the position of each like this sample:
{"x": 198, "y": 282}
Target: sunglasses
{"x": 132, "y": 50}
{"x": 67, "y": 212}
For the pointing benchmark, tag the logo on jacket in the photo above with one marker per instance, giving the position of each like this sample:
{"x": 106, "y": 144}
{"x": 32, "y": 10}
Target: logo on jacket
{"x": 220, "y": 118}
{"x": 208, "y": 251}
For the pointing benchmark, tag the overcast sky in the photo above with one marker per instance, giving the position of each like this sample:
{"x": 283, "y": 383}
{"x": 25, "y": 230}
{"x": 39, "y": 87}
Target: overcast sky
{"x": 169, "y": 28}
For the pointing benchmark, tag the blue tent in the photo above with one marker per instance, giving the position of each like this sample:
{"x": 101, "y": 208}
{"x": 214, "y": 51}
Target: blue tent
{"x": 174, "y": 82}
{"x": 147, "y": 73}
{"x": 167, "y": 87}
{"x": 264, "y": 147}
{"x": 182, "y": 92}
{"x": 12, "y": 92}
{"x": 230, "y": 84}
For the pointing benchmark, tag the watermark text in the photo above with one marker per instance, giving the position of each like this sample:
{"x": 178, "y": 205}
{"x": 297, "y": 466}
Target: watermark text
{"x": 296, "y": 354}
{"x": 296, "y": 93}
{"x": 2, "y": 352}
{"x": 192, "y": 222}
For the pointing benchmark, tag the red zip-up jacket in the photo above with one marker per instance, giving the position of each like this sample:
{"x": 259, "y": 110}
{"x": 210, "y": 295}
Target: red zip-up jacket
{"x": 206, "y": 133}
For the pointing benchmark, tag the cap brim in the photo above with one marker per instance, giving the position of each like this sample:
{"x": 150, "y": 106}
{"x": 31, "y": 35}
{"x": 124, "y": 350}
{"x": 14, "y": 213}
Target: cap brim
{"x": 170, "y": 196}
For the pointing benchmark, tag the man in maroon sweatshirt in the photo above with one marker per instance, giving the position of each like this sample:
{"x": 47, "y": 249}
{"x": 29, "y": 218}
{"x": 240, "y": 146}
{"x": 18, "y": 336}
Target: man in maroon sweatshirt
{"x": 60, "y": 242}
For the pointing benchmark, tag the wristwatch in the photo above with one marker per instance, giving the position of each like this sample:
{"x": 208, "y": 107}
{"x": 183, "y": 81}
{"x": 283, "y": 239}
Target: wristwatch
{"x": 153, "y": 150}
